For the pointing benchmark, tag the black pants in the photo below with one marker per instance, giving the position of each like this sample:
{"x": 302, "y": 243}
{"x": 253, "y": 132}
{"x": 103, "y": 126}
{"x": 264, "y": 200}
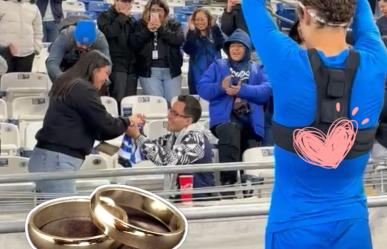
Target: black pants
{"x": 123, "y": 84}
{"x": 20, "y": 64}
{"x": 234, "y": 138}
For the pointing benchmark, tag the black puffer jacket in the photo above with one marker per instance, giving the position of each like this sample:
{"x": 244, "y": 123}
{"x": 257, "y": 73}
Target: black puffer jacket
{"x": 118, "y": 30}
{"x": 172, "y": 37}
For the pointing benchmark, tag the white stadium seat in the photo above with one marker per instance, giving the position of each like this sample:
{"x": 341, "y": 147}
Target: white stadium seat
{"x": 3, "y": 110}
{"x": 29, "y": 134}
{"x": 10, "y": 139}
{"x": 110, "y": 105}
{"x": 153, "y": 107}
{"x": 29, "y": 108}
{"x": 259, "y": 155}
{"x": 155, "y": 128}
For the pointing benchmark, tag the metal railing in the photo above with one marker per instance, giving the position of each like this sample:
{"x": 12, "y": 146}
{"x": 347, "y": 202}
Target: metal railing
{"x": 212, "y": 212}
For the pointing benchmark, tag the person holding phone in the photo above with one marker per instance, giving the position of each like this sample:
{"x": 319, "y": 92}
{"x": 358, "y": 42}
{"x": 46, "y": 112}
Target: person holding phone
{"x": 118, "y": 25}
{"x": 158, "y": 40}
{"x": 203, "y": 43}
{"x": 237, "y": 89}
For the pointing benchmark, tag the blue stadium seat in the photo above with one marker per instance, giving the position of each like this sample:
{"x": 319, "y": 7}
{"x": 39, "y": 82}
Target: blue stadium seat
{"x": 97, "y": 6}
{"x": 186, "y": 9}
{"x": 181, "y": 17}
{"x": 287, "y": 11}
{"x": 92, "y": 15}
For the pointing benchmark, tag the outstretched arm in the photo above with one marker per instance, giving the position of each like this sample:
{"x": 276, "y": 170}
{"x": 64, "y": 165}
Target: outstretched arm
{"x": 272, "y": 45}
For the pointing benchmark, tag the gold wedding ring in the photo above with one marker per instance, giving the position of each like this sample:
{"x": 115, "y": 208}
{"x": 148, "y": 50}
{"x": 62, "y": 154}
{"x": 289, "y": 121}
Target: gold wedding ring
{"x": 152, "y": 221}
{"x": 66, "y": 223}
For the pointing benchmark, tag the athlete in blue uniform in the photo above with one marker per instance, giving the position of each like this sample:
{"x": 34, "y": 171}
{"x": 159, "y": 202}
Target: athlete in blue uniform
{"x": 315, "y": 207}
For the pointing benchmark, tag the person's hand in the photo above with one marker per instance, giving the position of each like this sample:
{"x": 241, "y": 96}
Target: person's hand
{"x": 233, "y": 90}
{"x": 191, "y": 24}
{"x": 231, "y": 4}
{"x": 137, "y": 119}
{"x": 226, "y": 82}
{"x": 133, "y": 131}
{"x": 153, "y": 27}
{"x": 13, "y": 48}
{"x": 154, "y": 22}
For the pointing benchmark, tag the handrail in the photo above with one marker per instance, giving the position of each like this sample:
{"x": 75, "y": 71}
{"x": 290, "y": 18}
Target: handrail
{"x": 211, "y": 212}
{"x": 157, "y": 170}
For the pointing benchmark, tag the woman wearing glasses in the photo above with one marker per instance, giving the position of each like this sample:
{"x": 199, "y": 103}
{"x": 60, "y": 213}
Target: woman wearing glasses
{"x": 318, "y": 200}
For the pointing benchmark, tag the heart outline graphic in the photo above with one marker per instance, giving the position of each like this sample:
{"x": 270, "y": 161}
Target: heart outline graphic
{"x": 327, "y": 151}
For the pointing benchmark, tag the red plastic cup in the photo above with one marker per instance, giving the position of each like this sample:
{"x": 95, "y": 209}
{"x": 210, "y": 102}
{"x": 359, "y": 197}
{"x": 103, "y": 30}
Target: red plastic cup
{"x": 186, "y": 187}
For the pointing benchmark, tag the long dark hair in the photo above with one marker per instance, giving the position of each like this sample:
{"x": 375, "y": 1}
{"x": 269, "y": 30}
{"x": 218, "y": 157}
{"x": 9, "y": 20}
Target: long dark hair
{"x": 209, "y": 18}
{"x": 82, "y": 70}
{"x": 146, "y": 12}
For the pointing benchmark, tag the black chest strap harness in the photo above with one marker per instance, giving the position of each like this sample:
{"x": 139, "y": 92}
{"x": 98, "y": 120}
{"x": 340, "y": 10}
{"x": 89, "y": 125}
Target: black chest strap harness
{"x": 333, "y": 86}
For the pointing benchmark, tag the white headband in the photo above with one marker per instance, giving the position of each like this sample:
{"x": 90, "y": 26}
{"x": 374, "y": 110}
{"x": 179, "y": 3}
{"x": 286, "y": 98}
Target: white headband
{"x": 314, "y": 15}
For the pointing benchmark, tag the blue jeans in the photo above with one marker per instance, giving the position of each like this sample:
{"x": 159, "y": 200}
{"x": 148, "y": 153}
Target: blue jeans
{"x": 50, "y": 31}
{"x": 161, "y": 84}
{"x": 43, "y": 160}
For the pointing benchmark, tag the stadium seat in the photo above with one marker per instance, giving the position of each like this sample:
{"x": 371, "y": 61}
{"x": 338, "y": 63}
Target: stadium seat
{"x": 92, "y": 162}
{"x": 22, "y": 193}
{"x": 71, "y": 7}
{"x": 29, "y": 137}
{"x": 155, "y": 129}
{"x": 153, "y": 107}
{"x": 259, "y": 155}
{"x": 13, "y": 85}
{"x": 3, "y": 111}
{"x": 97, "y": 6}
{"x": 110, "y": 105}
{"x": 29, "y": 108}
{"x": 10, "y": 139}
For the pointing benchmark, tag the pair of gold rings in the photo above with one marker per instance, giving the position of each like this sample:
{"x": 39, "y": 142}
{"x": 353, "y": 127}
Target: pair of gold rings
{"x": 113, "y": 217}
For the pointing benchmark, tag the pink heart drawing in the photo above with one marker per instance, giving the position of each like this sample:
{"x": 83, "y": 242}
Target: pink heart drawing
{"x": 326, "y": 151}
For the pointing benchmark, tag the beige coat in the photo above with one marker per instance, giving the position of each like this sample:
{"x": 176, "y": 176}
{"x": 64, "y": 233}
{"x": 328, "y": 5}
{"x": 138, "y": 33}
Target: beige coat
{"x": 21, "y": 24}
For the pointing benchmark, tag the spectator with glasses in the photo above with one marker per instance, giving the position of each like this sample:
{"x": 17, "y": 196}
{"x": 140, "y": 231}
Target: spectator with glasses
{"x": 158, "y": 40}
{"x": 72, "y": 42}
{"x": 237, "y": 89}
{"x": 204, "y": 41}
{"x": 188, "y": 142}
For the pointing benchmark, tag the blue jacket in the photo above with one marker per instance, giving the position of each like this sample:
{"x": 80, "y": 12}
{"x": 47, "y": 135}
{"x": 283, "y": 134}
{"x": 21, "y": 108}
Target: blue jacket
{"x": 202, "y": 51}
{"x": 256, "y": 90}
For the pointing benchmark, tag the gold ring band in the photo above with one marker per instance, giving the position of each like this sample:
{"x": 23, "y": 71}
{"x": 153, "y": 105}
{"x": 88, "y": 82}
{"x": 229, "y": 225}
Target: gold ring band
{"x": 66, "y": 223}
{"x": 152, "y": 221}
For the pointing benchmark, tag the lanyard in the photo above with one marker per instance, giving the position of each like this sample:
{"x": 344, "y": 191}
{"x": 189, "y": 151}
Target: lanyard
{"x": 155, "y": 41}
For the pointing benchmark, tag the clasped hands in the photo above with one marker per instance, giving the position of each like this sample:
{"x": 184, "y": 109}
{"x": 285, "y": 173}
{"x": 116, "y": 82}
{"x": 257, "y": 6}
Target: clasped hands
{"x": 133, "y": 129}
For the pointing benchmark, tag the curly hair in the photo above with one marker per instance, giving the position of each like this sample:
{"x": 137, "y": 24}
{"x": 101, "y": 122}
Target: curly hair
{"x": 332, "y": 11}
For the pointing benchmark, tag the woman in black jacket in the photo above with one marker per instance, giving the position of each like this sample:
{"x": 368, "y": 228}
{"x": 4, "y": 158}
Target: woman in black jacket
{"x": 159, "y": 58}
{"x": 74, "y": 120}
{"x": 118, "y": 25}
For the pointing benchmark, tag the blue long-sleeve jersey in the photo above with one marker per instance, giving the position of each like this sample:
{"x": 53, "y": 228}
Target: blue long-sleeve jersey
{"x": 305, "y": 194}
